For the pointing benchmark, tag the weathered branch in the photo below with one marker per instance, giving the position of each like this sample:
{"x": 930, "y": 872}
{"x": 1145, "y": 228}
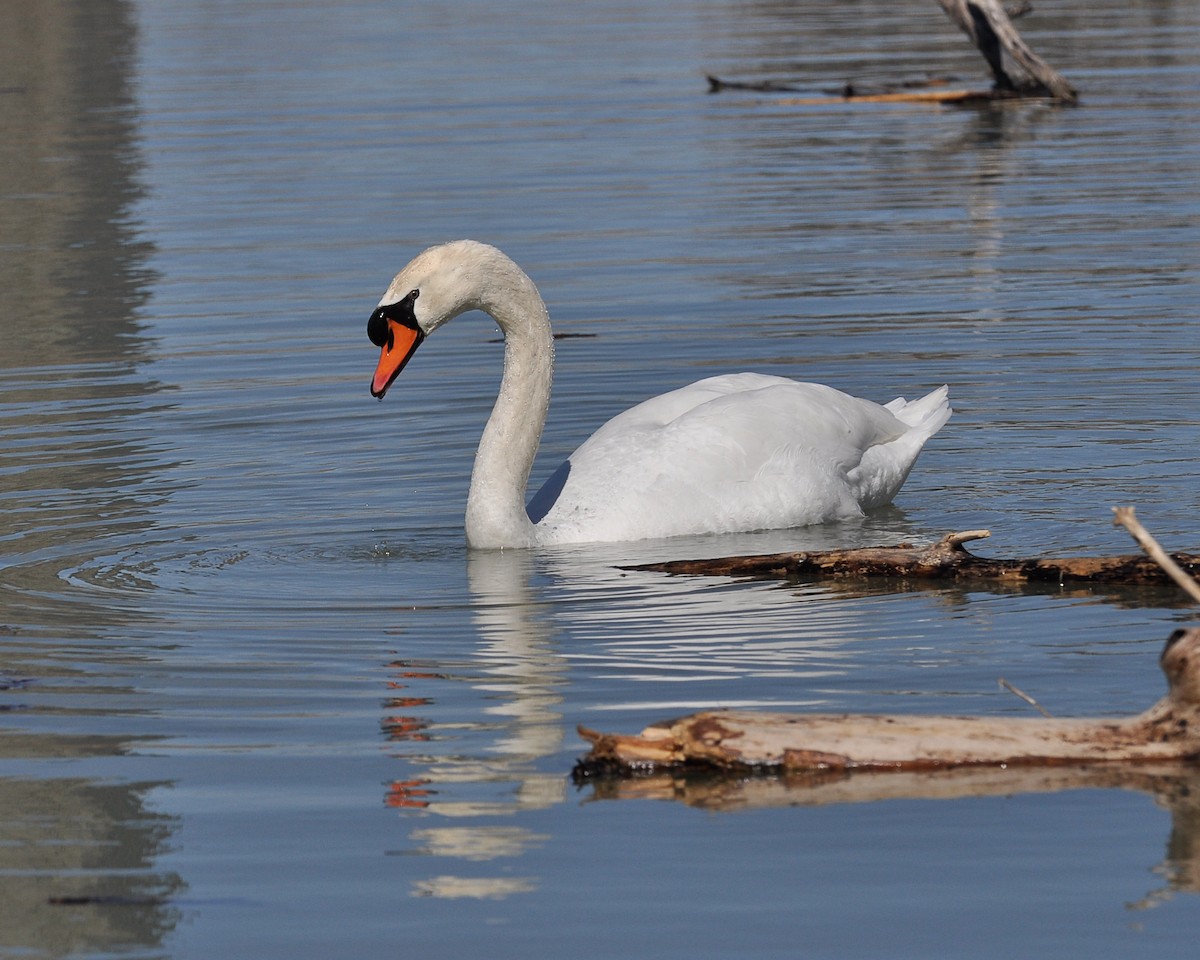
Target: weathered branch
{"x": 947, "y": 560}
{"x": 1125, "y": 517}
{"x": 988, "y": 26}
{"x": 744, "y": 740}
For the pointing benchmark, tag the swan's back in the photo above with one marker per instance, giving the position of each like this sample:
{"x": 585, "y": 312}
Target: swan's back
{"x": 735, "y": 452}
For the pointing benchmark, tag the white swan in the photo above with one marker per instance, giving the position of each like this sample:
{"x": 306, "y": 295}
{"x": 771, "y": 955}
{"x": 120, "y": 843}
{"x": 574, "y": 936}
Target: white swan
{"x": 729, "y": 453}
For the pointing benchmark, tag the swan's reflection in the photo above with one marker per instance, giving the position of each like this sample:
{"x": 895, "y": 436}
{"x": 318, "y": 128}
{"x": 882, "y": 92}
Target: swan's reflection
{"x": 467, "y": 771}
{"x": 518, "y": 653}
{"x": 638, "y": 626}
{"x": 473, "y": 888}
{"x": 519, "y": 672}
{"x": 476, "y": 843}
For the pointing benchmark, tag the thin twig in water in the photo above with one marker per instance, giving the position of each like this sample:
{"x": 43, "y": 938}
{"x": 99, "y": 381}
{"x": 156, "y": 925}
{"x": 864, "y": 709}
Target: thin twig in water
{"x": 1125, "y": 517}
{"x": 1026, "y": 697}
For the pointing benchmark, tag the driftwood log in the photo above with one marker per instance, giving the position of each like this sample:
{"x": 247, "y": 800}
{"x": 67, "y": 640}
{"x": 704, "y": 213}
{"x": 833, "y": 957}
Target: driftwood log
{"x": 990, "y": 28}
{"x": 947, "y": 560}
{"x": 841, "y": 743}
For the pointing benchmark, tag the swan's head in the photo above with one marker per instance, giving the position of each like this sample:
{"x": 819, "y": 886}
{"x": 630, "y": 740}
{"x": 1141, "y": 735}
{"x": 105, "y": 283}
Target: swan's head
{"x": 437, "y": 286}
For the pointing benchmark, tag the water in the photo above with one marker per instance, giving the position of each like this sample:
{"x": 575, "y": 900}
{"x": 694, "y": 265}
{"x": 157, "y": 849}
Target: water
{"x": 256, "y": 697}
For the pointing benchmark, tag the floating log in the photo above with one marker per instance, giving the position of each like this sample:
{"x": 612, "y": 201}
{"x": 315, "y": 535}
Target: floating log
{"x": 932, "y": 90}
{"x": 923, "y": 91}
{"x": 947, "y": 559}
{"x": 842, "y": 743}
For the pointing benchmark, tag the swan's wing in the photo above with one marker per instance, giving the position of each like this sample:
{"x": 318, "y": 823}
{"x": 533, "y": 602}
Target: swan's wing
{"x": 736, "y": 452}
{"x": 626, "y": 445}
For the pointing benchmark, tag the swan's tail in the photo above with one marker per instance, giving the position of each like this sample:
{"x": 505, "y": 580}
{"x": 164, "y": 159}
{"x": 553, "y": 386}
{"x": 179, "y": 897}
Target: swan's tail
{"x": 925, "y": 416}
{"x": 885, "y": 467}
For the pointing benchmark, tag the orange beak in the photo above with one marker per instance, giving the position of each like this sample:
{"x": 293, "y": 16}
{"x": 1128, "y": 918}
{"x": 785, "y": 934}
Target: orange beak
{"x": 401, "y": 344}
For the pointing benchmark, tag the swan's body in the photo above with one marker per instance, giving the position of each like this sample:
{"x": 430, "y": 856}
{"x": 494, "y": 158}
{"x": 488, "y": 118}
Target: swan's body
{"x": 736, "y": 452}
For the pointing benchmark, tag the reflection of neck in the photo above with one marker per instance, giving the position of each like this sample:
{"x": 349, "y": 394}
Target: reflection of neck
{"x": 496, "y": 514}
{"x": 524, "y": 672}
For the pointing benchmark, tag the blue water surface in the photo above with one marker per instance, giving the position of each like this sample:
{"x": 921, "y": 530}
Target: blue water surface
{"x": 256, "y": 696}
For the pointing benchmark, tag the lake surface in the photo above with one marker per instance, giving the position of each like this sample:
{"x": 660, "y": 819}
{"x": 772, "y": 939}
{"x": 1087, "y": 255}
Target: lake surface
{"x": 256, "y": 696}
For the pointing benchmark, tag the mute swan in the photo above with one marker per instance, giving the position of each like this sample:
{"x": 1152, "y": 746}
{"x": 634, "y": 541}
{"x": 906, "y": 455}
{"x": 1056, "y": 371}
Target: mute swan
{"x": 736, "y": 452}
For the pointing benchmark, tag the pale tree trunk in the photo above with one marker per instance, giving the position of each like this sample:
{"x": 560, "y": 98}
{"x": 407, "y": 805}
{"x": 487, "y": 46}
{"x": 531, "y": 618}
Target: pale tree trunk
{"x": 990, "y": 29}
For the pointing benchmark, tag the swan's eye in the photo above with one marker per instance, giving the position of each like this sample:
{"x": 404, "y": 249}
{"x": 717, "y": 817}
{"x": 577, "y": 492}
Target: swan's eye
{"x": 400, "y": 312}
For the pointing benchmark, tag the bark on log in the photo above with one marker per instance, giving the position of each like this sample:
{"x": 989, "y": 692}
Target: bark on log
{"x": 947, "y": 559}
{"x": 844, "y": 743}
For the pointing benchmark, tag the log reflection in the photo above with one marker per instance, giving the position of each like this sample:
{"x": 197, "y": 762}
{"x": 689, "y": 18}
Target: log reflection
{"x": 1175, "y": 787}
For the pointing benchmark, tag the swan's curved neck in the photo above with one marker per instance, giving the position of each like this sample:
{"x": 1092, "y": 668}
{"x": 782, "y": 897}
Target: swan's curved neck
{"x": 496, "y": 515}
